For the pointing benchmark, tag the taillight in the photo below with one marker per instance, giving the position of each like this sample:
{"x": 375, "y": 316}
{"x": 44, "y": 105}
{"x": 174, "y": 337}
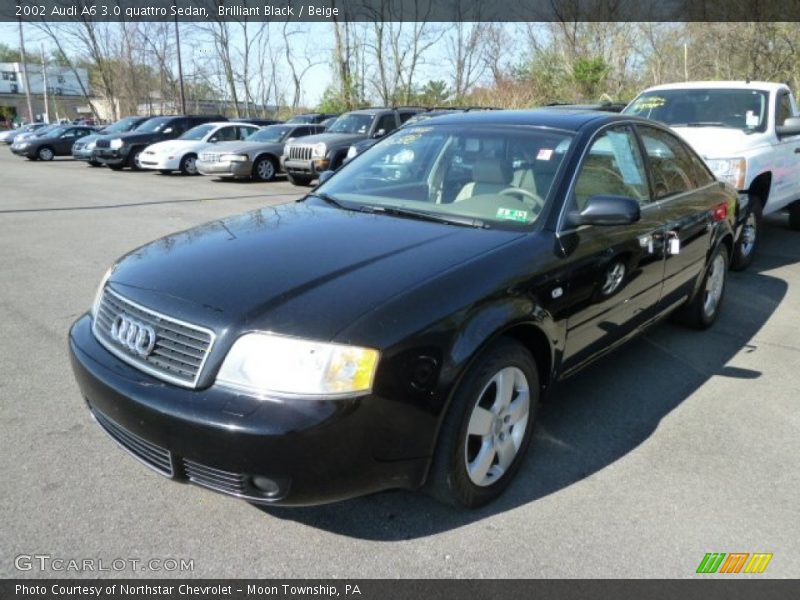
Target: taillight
{"x": 719, "y": 212}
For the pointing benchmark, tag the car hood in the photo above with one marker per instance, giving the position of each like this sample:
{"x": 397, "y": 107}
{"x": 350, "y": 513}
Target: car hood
{"x": 330, "y": 139}
{"x": 244, "y": 147}
{"x": 304, "y": 269}
{"x": 721, "y": 142}
{"x": 176, "y": 146}
{"x": 132, "y": 137}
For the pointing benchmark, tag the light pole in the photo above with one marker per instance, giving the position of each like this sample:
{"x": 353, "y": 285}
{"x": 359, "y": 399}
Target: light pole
{"x": 25, "y": 72}
{"x": 180, "y": 63}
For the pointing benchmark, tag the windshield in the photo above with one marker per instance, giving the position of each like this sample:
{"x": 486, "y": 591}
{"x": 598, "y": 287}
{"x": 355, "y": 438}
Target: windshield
{"x": 51, "y": 131}
{"x": 351, "y": 123}
{"x": 121, "y": 125}
{"x": 301, "y": 119}
{"x": 499, "y": 175}
{"x": 198, "y": 133}
{"x": 739, "y": 109}
{"x": 46, "y": 130}
{"x": 273, "y": 133}
{"x": 153, "y": 125}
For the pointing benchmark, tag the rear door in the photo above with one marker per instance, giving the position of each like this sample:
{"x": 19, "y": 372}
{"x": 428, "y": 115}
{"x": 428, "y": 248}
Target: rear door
{"x": 612, "y": 274}
{"x": 685, "y": 192}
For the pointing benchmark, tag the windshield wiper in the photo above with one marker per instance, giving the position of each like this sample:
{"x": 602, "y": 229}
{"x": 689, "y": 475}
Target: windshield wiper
{"x": 427, "y": 216}
{"x": 327, "y": 198}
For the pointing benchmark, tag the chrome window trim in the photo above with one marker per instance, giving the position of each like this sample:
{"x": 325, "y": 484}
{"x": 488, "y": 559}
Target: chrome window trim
{"x": 144, "y": 367}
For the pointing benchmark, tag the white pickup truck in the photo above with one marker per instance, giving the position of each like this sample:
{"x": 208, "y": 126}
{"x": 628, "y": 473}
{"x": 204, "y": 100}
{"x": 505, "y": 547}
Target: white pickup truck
{"x": 748, "y": 132}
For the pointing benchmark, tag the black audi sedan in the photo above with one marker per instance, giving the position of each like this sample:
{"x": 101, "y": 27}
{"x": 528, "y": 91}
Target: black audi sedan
{"x": 398, "y": 326}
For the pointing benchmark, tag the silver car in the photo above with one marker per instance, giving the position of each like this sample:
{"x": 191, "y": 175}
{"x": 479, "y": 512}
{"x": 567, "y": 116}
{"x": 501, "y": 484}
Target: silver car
{"x": 257, "y": 157}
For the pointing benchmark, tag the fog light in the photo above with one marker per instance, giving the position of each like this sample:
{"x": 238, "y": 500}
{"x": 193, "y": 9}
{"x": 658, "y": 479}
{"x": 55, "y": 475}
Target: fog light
{"x": 266, "y": 485}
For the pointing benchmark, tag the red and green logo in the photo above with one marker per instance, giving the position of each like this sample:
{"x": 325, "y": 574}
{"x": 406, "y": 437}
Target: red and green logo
{"x": 735, "y": 562}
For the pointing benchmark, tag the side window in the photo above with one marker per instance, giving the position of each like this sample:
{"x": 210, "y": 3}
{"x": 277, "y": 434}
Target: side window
{"x": 784, "y": 109}
{"x": 226, "y": 134}
{"x": 405, "y": 116}
{"x": 671, "y": 164}
{"x": 613, "y": 167}
{"x": 245, "y": 132}
{"x": 299, "y": 132}
{"x": 178, "y": 126}
{"x": 387, "y": 123}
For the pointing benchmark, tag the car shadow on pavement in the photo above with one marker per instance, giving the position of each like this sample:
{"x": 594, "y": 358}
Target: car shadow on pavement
{"x": 596, "y": 417}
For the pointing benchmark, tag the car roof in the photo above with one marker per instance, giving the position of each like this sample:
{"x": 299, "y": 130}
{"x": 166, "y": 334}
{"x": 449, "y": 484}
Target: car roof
{"x": 568, "y": 119}
{"x": 691, "y": 85}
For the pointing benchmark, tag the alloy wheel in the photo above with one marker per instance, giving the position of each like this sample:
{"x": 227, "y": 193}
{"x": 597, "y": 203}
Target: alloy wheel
{"x": 715, "y": 283}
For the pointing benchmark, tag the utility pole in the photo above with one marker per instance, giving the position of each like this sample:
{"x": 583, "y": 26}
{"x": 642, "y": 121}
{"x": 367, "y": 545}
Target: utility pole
{"x": 180, "y": 63}
{"x": 25, "y": 81}
{"x": 44, "y": 80}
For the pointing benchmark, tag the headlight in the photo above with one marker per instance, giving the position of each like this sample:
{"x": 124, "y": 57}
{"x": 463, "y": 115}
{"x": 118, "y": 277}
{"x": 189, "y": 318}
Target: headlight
{"x": 116, "y": 144}
{"x": 729, "y": 170}
{"x": 23, "y": 145}
{"x": 318, "y": 150}
{"x": 234, "y": 157}
{"x": 98, "y": 295}
{"x": 352, "y": 151}
{"x": 268, "y": 364}
{"x": 91, "y": 145}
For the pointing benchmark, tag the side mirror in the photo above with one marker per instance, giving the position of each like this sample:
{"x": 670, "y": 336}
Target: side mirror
{"x": 608, "y": 210}
{"x": 379, "y": 134}
{"x": 324, "y": 176}
{"x": 213, "y": 140}
{"x": 168, "y": 130}
{"x": 791, "y": 126}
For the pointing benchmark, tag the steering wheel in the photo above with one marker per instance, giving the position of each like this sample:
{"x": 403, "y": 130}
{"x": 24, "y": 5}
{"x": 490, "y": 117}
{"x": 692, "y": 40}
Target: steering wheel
{"x": 537, "y": 201}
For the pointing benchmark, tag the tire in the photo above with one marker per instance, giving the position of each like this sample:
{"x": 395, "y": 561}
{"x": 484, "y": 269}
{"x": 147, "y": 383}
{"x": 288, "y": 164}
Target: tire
{"x": 188, "y": 165}
{"x": 265, "y": 169}
{"x": 794, "y": 216}
{"x": 303, "y": 180}
{"x": 482, "y": 431}
{"x": 701, "y": 312}
{"x": 45, "y": 153}
{"x": 745, "y": 248}
{"x": 133, "y": 159}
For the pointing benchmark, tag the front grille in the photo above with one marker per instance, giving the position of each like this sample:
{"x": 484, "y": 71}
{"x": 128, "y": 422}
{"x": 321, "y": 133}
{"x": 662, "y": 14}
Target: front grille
{"x": 153, "y": 456}
{"x": 103, "y": 144}
{"x": 216, "y": 479}
{"x": 180, "y": 349}
{"x": 209, "y": 157}
{"x": 300, "y": 152}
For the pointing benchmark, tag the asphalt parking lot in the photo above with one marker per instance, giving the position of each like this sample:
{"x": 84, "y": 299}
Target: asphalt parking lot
{"x": 679, "y": 444}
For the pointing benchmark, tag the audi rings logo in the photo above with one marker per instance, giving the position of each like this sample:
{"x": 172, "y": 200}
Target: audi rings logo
{"x": 133, "y": 334}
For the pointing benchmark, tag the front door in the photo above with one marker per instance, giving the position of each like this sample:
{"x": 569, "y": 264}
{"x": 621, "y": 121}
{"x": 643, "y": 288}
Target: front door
{"x": 614, "y": 272}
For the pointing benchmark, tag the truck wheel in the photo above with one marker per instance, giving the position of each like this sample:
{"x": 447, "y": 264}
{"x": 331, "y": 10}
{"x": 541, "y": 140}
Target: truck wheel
{"x": 794, "y": 216}
{"x": 133, "y": 159}
{"x": 702, "y": 310}
{"x": 488, "y": 427}
{"x": 264, "y": 169}
{"x": 745, "y": 248}
{"x": 303, "y": 180}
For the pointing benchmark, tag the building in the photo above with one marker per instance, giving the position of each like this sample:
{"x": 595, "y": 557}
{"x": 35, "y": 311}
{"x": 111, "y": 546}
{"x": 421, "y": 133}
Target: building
{"x": 67, "y": 91}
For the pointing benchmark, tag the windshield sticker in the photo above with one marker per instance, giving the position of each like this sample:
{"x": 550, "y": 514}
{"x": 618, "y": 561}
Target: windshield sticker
{"x": 509, "y": 214}
{"x": 544, "y": 154}
{"x": 409, "y": 138}
{"x": 649, "y": 103}
{"x": 752, "y": 119}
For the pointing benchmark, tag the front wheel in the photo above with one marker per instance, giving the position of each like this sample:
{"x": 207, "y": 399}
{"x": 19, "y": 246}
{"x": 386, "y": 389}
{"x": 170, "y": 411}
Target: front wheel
{"x": 745, "y": 248}
{"x": 133, "y": 159}
{"x": 45, "y": 153}
{"x": 264, "y": 169}
{"x": 303, "y": 180}
{"x": 188, "y": 165}
{"x": 794, "y": 216}
{"x": 488, "y": 427}
{"x": 702, "y": 311}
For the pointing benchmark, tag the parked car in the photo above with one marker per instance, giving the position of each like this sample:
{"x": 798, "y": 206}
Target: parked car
{"x": 125, "y": 150}
{"x": 44, "y": 130}
{"x": 362, "y": 145}
{"x": 259, "y": 122}
{"x": 398, "y": 326}
{"x": 56, "y": 142}
{"x": 257, "y": 157}
{"x": 311, "y": 118}
{"x": 749, "y": 134}
{"x": 181, "y": 154}
{"x": 83, "y": 149}
{"x": 602, "y": 106}
{"x": 304, "y": 160}
{"x": 9, "y": 136}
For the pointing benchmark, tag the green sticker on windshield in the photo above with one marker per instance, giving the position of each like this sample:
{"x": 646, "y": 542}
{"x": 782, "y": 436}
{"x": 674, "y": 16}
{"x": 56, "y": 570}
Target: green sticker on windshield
{"x": 512, "y": 215}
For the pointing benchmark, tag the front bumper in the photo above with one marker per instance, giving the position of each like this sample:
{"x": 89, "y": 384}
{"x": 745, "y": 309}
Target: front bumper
{"x": 82, "y": 153}
{"x": 312, "y": 167}
{"x": 159, "y": 162}
{"x": 225, "y": 168}
{"x": 21, "y": 151}
{"x": 315, "y": 451}
{"x": 115, "y": 157}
